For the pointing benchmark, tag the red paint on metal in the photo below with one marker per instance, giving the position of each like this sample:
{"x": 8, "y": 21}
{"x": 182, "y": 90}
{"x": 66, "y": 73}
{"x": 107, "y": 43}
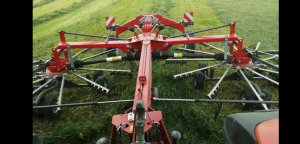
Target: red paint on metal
{"x": 146, "y": 43}
{"x": 232, "y": 28}
{"x": 62, "y": 38}
{"x": 267, "y": 132}
{"x": 187, "y": 18}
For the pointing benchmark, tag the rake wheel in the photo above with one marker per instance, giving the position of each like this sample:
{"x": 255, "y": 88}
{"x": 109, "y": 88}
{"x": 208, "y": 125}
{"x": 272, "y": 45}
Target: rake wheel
{"x": 248, "y": 94}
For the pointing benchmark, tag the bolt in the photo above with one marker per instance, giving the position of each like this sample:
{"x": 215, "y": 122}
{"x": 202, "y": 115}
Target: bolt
{"x": 166, "y": 44}
{"x": 128, "y": 46}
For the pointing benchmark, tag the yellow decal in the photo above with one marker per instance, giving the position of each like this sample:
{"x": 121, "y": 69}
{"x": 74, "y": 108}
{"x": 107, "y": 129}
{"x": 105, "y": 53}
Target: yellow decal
{"x": 131, "y": 127}
{"x": 179, "y": 55}
{"x": 116, "y": 58}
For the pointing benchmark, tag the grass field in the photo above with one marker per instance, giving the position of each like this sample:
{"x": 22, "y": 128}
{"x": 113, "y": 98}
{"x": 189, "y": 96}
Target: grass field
{"x": 256, "y": 21}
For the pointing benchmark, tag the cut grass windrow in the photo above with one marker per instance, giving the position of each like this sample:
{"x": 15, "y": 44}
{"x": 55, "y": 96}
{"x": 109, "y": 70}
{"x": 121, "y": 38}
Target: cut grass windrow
{"x": 60, "y": 12}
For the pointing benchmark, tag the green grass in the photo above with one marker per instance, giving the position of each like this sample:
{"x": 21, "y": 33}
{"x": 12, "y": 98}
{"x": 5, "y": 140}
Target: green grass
{"x": 55, "y": 5}
{"x": 195, "y": 121}
{"x": 48, "y": 13}
{"x": 37, "y": 3}
{"x": 257, "y": 21}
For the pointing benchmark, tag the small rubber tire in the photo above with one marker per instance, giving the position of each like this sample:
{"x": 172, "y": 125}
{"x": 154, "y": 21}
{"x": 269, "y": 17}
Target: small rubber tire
{"x": 248, "y": 94}
{"x": 199, "y": 80}
{"x": 202, "y": 65}
{"x": 47, "y": 112}
{"x": 96, "y": 74}
{"x": 101, "y": 80}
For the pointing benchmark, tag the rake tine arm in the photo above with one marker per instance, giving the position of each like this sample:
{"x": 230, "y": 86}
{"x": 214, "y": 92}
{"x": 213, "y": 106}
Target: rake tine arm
{"x": 193, "y": 71}
{"x": 93, "y": 83}
{"x": 272, "y": 57}
{"x": 275, "y": 82}
{"x": 43, "y": 85}
{"x": 268, "y": 52}
{"x": 212, "y": 92}
{"x": 95, "y": 36}
{"x": 267, "y": 70}
{"x": 200, "y": 39}
{"x": 265, "y": 62}
{"x": 257, "y": 46}
{"x": 253, "y": 89}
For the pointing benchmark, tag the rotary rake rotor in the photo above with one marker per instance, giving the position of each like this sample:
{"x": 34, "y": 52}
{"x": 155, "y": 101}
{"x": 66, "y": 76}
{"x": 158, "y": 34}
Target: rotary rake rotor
{"x": 45, "y": 82}
{"x": 247, "y": 66}
{"x": 142, "y": 124}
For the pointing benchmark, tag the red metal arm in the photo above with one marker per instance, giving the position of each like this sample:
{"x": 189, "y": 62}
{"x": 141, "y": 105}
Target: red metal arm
{"x": 161, "y": 20}
{"x": 170, "y": 23}
{"x": 125, "y": 26}
{"x": 114, "y": 44}
{"x": 202, "y": 39}
{"x": 144, "y": 78}
{"x": 142, "y": 92}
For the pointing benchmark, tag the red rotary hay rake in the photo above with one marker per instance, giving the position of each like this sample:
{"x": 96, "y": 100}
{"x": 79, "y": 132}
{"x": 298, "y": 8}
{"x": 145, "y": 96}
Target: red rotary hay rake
{"x": 142, "y": 124}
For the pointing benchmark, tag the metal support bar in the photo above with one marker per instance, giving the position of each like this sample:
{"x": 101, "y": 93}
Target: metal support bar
{"x": 253, "y": 89}
{"x": 216, "y": 101}
{"x": 199, "y": 31}
{"x": 81, "y": 104}
{"x": 272, "y": 57}
{"x": 97, "y": 54}
{"x": 275, "y": 82}
{"x": 40, "y": 87}
{"x": 185, "y": 49}
{"x": 193, "y": 71}
{"x": 265, "y": 53}
{"x": 194, "y": 59}
{"x": 87, "y": 35}
{"x": 59, "y": 99}
{"x": 265, "y": 62}
{"x": 206, "y": 44}
{"x": 218, "y": 83}
{"x": 85, "y": 50}
{"x": 257, "y": 46}
{"x": 267, "y": 70}
{"x": 93, "y": 83}
{"x": 97, "y": 69}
